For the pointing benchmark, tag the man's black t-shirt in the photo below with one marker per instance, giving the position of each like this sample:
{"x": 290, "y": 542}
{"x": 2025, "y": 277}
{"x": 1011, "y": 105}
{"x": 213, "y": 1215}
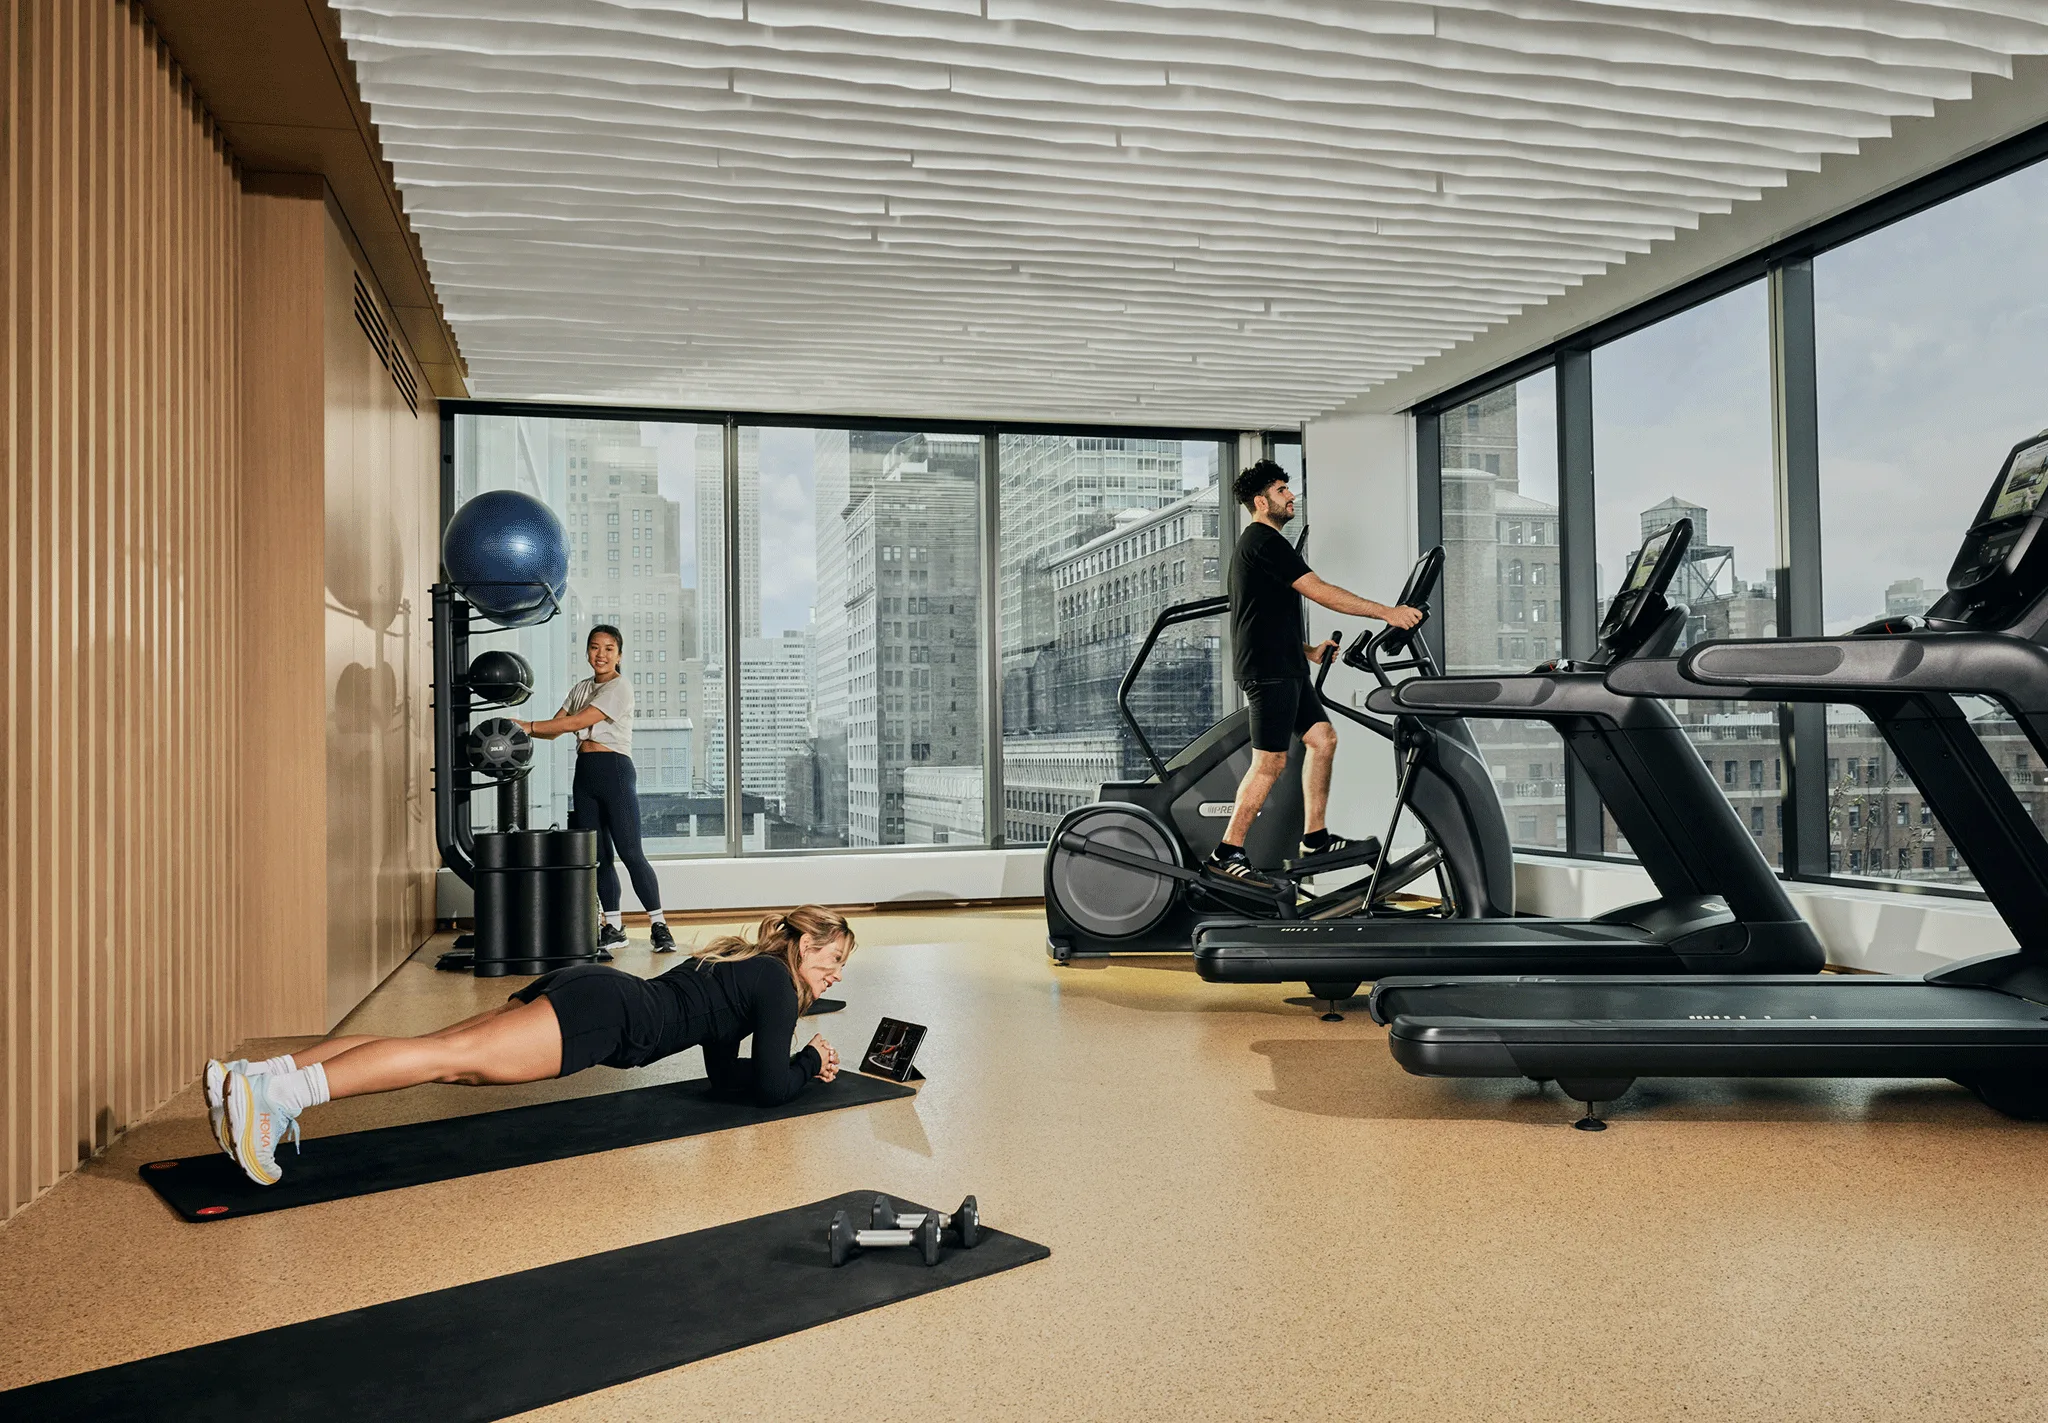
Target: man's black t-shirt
{"x": 1266, "y": 628}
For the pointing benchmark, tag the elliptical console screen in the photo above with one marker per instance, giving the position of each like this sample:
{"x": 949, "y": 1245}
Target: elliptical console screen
{"x": 1647, "y": 556}
{"x": 2026, "y": 480}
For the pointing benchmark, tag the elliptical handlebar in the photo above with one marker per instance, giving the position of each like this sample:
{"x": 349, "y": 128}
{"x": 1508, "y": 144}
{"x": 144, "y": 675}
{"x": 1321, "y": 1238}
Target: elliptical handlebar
{"x": 1323, "y": 668}
{"x": 1370, "y": 648}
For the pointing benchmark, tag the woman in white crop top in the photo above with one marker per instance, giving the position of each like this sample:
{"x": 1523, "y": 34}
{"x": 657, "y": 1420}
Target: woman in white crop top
{"x": 599, "y": 714}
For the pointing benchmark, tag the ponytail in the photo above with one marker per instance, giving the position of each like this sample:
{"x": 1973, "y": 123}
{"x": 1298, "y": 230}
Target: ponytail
{"x": 781, "y": 935}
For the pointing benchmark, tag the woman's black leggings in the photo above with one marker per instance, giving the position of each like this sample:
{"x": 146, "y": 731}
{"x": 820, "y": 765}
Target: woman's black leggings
{"x": 606, "y": 798}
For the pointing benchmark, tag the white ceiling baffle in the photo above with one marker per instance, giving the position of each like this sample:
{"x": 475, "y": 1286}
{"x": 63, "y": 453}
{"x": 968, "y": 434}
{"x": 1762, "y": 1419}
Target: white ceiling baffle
{"x": 1233, "y": 213}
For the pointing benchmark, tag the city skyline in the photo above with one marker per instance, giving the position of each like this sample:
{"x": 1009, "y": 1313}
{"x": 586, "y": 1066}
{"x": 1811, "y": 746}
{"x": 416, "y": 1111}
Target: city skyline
{"x": 863, "y": 722}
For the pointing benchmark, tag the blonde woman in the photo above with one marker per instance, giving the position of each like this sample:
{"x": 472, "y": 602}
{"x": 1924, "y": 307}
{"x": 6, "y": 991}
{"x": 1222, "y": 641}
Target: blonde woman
{"x": 566, "y": 1021}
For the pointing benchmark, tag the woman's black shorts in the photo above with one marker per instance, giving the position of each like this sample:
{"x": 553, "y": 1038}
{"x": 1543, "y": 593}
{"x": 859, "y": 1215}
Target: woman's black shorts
{"x": 1282, "y": 708}
{"x": 607, "y": 1017}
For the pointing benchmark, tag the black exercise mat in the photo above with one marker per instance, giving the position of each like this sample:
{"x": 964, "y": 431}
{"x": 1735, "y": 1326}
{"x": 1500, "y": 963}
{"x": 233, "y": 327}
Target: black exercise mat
{"x": 211, "y": 1187}
{"x": 522, "y": 1341}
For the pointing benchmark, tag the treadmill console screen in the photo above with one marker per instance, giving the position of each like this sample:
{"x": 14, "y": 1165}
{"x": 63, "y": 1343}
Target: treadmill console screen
{"x": 2026, "y": 480}
{"x": 1645, "y": 566}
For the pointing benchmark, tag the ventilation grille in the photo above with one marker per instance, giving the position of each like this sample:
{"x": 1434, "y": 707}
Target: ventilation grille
{"x": 388, "y": 352}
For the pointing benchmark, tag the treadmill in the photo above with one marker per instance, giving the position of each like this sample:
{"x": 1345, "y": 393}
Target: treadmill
{"x": 1719, "y": 908}
{"x": 1982, "y": 1022}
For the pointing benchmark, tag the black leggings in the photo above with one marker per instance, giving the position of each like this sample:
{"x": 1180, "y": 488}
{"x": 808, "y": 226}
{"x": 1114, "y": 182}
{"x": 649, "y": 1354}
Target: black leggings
{"x": 606, "y": 799}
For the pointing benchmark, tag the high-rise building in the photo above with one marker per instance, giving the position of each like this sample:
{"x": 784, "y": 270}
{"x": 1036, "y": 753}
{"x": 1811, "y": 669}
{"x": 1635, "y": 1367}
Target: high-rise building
{"x": 1106, "y": 595}
{"x": 1058, "y": 492}
{"x": 912, "y": 546}
{"x": 624, "y": 558}
{"x": 845, "y": 466}
{"x": 774, "y": 712}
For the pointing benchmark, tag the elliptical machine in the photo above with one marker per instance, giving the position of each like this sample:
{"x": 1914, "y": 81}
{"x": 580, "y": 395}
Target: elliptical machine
{"x": 1123, "y": 876}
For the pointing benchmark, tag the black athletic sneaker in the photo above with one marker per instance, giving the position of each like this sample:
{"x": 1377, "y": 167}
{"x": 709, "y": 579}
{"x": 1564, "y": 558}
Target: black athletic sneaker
{"x": 608, "y": 938}
{"x": 1236, "y": 867}
{"x": 1338, "y": 845}
{"x": 664, "y": 942}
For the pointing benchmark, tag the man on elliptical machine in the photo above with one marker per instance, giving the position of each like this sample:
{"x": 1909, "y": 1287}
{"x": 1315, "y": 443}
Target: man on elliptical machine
{"x": 1271, "y": 656}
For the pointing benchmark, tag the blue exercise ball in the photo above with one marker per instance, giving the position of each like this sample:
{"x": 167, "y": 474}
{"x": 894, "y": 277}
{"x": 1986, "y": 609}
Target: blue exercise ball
{"x": 507, "y": 553}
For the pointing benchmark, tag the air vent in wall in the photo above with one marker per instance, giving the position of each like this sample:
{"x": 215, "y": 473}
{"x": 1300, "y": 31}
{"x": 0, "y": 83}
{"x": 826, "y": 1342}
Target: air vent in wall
{"x": 388, "y": 350}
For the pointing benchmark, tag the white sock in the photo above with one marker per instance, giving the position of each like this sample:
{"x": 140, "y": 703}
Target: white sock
{"x": 281, "y": 1063}
{"x": 615, "y": 917}
{"x": 297, "y": 1090}
{"x": 654, "y": 917}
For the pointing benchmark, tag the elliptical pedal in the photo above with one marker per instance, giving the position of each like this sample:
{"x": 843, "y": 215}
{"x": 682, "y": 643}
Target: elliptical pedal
{"x": 1356, "y": 853}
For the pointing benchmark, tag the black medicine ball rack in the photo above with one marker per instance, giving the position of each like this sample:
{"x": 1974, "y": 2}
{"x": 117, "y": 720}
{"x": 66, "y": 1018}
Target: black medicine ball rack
{"x": 536, "y": 890}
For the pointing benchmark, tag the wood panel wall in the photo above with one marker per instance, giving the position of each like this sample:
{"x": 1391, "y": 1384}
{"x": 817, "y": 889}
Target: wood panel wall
{"x": 383, "y": 517}
{"x": 219, "y": 522}
{"x": 341, "y": 513}
{"x": 119, "y": 728}
{"x": 281, "y": 881}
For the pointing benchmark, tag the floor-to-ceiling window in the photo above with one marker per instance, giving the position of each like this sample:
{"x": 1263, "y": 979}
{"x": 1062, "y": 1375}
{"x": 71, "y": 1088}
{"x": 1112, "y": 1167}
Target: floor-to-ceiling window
{"x": 1099, "y": 535}
{"x": 1828, "y": 415}
{"x": 638, "y": 500}
{"x": 1928, "y": 339}
{"x": 1682, "y": 430}
{"x": 860, "y": 636}
{"x": 1502, "y": 602}
{"x": 825, "y": 593}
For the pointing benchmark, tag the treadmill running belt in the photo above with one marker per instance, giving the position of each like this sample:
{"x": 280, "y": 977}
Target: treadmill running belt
{"x": 211, "y": 1187}
{"x": 522, "y": 1341}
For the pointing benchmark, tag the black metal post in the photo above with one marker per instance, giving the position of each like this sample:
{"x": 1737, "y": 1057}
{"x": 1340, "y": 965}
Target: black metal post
{"x": 453, "y": 832}
{"x": 1579, "y": 554}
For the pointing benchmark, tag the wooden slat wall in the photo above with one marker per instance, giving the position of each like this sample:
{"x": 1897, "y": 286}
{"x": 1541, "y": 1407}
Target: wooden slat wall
{"x": 282, "y": 879}
{"x": 119, "y": 730}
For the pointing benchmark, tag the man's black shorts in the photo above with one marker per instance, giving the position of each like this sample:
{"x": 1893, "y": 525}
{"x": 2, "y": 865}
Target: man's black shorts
{"x": 1282, "y": 709}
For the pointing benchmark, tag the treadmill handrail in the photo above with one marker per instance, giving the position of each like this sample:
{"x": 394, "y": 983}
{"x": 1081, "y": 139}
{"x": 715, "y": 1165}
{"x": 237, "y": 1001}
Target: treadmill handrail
{"x": 1907, "y": 684}
{"x": 1459, "y": 696}
{"x": 2011, "y": 670}
{"x": 1178, "y": 613}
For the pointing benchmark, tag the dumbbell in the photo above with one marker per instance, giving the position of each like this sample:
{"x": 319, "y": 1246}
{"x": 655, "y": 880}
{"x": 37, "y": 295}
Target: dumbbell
{"x": 965, "y": 1222}
{"x": 845, "y": 1240}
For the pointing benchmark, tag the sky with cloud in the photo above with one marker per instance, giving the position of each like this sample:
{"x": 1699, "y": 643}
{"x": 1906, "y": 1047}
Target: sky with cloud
{"x": 1932, "y": 340}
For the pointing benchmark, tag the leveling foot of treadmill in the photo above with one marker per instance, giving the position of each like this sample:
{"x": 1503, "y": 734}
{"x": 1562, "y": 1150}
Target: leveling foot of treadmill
{"x": 1329, "y": 995}
{"x": 1589, "y": 1122}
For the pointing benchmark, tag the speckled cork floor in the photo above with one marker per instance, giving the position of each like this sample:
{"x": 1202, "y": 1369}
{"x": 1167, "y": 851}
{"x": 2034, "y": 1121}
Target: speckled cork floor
{"x": 1253, "y": 1215}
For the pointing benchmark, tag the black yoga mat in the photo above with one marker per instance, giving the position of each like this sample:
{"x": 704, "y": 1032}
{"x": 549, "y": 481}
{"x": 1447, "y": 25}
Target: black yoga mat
{"x": 208, "y": 1188}
{"x": 522, "y": 1341}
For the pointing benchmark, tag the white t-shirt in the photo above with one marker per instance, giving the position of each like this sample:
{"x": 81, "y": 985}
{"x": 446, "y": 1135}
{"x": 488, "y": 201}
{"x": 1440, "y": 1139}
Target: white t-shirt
{"x": 615, "y": 700}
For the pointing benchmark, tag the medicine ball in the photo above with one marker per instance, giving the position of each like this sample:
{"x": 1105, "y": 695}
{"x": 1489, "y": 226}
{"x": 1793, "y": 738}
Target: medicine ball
{"x": 498, "y": 748}
{"x": 507, "y": 553}
{"x": 500, "y": 678}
